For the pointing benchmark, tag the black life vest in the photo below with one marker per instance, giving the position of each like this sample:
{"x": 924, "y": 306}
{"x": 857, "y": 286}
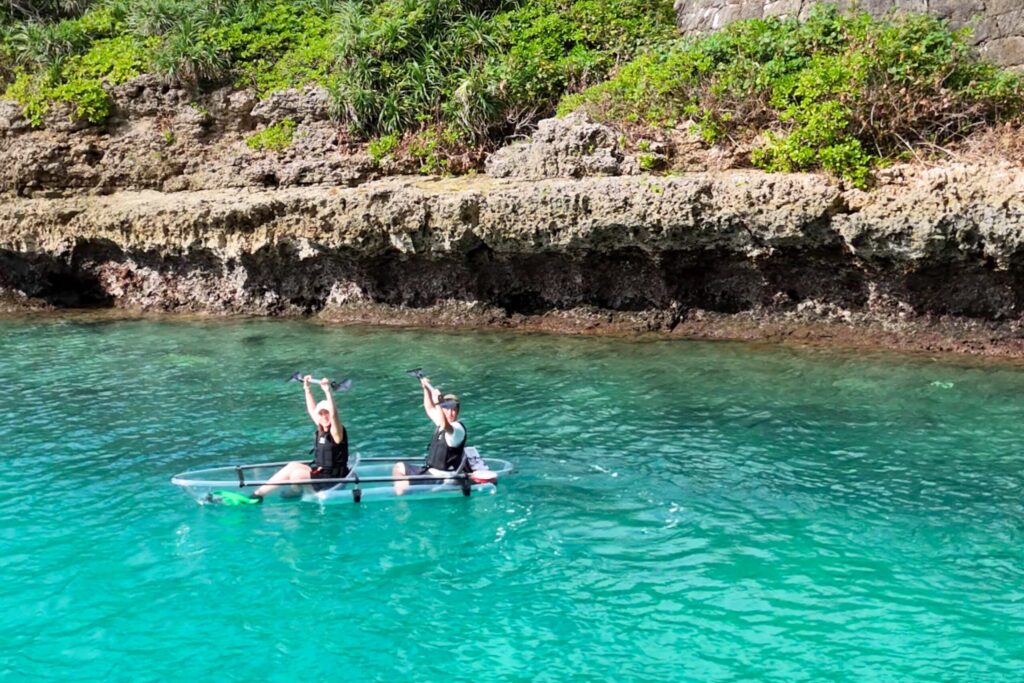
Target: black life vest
{"x": 329, "y": 456}
{"x": 441, "y": 456}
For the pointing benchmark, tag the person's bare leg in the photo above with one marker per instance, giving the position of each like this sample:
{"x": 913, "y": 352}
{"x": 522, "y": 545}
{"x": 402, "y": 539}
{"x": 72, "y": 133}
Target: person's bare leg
{"x": 401, "y": 485}
{"x": 293, "y": 471}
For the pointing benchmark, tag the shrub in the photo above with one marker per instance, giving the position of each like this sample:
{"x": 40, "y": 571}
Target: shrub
{"x": 551, "y": 48}
{"x": 481, "y": 69}
{"x": 429, "y": 147}
{"x": 80, "y": 80}
{"x": 280, "y": 45}
{"x": 382, "y": 147}
{"x": 274, "y": 138}
{"x": 478, "y": 74}
{"x": 837, "y": 92}
{"x": 33, "y": 94}
{"x": 41, "y": 10}
{"x": 36, "y": 45}
{"x": 402, "y": 61}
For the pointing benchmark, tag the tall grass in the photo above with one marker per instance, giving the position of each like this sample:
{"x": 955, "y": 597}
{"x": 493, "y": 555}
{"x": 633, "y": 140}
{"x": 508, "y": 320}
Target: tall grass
{"x": 473, "y": 70}
{"x": 436, "y": 78}
{"x": 41, "y": 10}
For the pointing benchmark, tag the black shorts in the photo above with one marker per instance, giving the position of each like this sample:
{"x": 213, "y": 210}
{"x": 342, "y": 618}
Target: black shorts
{"x": 324, "y": 474}
{"x": 413, "y": 469}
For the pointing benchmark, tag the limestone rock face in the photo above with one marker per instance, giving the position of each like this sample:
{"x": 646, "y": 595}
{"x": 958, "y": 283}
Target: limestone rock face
{"x": 570, "y": 147}
{"x": 310, "y": 105}
{"x": 998, "y": 25}
{"x": 946, "y": 241}
{"x": 164, "y": 137}
{"x": 146, "y": 96}
{"x": 12, "y": 122}
{"x": 167, "y": 208}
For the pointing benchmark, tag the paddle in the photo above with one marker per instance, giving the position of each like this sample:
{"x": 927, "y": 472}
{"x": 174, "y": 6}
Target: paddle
{"x": 418, "y": 374}
{"x": 341, "y": 387}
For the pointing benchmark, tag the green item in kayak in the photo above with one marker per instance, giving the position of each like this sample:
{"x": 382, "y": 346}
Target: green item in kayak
{"x": 231, "y": 498}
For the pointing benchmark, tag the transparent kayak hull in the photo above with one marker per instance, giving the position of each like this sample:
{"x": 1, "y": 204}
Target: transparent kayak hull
{"x": 369, "y": 479}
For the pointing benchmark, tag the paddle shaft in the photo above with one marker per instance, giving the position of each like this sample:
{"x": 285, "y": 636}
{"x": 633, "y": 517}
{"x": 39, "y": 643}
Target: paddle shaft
{"x": 334, "y": 385}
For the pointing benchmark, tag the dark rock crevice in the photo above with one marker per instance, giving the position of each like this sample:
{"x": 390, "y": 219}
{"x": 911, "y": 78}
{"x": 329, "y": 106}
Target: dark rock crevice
{"x": 52, "y": 280}
{"x": 280, "y": 280}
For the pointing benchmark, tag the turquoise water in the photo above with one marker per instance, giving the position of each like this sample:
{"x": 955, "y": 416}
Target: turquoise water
{"x": 682, "y": 511}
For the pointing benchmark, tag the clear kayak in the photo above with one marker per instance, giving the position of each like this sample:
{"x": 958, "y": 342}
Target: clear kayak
{"x": 368, "y": 479}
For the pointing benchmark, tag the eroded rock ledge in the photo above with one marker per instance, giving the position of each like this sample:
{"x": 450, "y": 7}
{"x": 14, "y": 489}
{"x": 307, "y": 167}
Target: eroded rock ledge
{"x": 166, "y": 209}
{"x": 639, "y": 252}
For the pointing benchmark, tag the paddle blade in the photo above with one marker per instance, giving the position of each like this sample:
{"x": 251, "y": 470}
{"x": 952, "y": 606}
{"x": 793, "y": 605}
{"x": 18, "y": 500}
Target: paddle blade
{"x": 342, "y": 386}
{"x": 297, "y": 377}
{"x": 415, "y": 372}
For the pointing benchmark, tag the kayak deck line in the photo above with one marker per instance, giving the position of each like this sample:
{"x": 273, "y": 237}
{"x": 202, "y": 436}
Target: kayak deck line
{"x": 368, "y": 478}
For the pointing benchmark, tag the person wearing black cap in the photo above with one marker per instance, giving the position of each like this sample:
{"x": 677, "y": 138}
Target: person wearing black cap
{"x": 446, "y": 449}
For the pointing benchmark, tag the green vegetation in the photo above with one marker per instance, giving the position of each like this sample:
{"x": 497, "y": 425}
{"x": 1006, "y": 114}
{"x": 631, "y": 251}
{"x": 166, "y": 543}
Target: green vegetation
{"x": 275, "y": 138}
{"x": 70, "y": 61}
{"x": 382, "y": 147}
{"x": 838, "y": 92}
{"x": 40, "y": 10}
{"x": 435, "y": 82}
{"x": 474, "y": 69}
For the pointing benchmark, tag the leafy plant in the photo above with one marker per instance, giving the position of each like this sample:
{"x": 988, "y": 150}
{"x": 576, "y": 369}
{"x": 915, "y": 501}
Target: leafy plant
{"x": 88, "y": 97}
{"x": 79, "y": 77}
{"x": 382, "y": 147}
{"x": 274, "y": 138}
{"x": 428, "y": 148}
{"x": 648, "y": 162}
{"x": 837, "y": 92}
{"x": 33, "y": 94}
{"x": 478, "y": 69}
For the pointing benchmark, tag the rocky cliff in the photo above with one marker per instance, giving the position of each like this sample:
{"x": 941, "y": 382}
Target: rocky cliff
{"x": 169, "y": 138}
{"x": 949, "y": 241}
{"x": 997, "y": 25}
{"x": 166, "y": 209}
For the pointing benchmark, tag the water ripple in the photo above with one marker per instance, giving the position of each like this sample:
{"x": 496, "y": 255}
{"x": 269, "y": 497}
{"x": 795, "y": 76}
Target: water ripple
{"x": 682, "y": 511}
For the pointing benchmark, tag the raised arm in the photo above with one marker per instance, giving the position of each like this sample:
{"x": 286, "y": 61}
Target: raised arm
{"x": 337, "y": 429}
{"x": 431, "y": 397}
{"x": 310, "y": 401}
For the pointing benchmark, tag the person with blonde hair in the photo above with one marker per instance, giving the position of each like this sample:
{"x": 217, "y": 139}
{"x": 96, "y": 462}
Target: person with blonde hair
{"x": 330, "y": 446}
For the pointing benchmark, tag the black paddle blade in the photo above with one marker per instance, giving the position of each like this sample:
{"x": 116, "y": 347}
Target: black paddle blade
{"x": 415, "y": 372}
{"x": 342, "y": 386}
{"x": 297, "y": 377}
